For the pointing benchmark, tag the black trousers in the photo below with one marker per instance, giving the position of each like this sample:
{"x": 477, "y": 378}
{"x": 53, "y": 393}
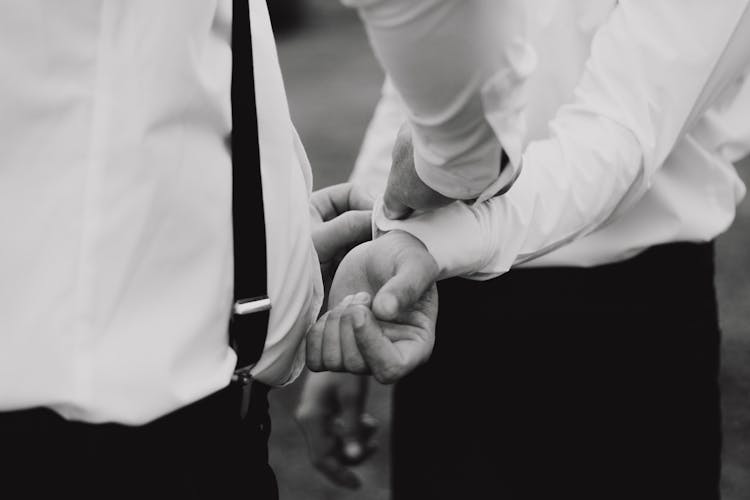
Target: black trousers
{"x": 201, "y": 451}
{"x": 551, "y": 383}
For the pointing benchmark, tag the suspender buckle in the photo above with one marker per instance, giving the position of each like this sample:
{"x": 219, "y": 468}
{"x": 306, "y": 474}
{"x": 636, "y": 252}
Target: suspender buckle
{"x": 247, "y": 333}
{"x": 244, "y": 307}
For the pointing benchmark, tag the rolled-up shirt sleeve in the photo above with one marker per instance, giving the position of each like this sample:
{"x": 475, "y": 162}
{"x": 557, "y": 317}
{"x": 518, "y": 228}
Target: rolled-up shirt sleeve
{"x": 460, "y": 68}
{"x": 654, "y": 68}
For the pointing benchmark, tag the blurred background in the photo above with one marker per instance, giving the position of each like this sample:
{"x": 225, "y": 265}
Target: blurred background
{"x": 333, "y": 84}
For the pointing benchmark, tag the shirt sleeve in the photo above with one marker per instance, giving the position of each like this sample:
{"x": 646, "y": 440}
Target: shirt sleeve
{"x": 317, "y": 293}
{"x": 655, "y": 67}
{"x": 463, "y": 100}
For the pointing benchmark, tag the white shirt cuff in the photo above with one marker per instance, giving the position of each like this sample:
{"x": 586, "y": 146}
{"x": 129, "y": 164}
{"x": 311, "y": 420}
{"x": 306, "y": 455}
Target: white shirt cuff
{"x": 452, "y": 234}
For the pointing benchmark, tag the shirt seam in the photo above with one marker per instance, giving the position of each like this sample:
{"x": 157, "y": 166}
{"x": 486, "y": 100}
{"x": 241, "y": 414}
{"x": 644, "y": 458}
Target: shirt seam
{"x": 82, "y": 390}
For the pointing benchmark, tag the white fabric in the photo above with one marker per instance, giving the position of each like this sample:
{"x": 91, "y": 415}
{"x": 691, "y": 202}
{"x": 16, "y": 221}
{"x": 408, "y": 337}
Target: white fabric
{"x": 635, "y": 111}
{"x": 461, "y": 98}
{"x": 115, "y": 207}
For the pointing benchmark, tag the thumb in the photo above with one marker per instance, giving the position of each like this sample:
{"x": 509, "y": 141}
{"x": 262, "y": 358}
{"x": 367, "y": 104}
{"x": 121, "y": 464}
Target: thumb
{"x": 414, "y": 275}
{"x": 393, "y": 208}
{"x": 345, "y": 231}
{"x": 399, "y": 177}
{"x": 380, "y": 354}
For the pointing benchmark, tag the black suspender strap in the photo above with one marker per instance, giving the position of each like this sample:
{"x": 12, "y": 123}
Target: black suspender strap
{"x": 249, "y": 324}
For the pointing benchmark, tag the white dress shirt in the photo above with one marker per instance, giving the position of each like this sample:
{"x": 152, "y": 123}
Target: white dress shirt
{"x": 453, "y": 86}
{"x": 634, "y": 114}
{"x": 115, "y": 207}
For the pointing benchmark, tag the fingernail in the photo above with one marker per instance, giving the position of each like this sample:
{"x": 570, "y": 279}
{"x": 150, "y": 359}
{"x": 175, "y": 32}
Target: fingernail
{"x": 389, "y": 304}
{"x": 358, "y": 318}
{"x": 390, "y": 213}
{"x": 361, "y": 298}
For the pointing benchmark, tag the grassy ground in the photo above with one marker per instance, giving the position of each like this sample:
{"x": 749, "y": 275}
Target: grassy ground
{"x": 333, "y": 84}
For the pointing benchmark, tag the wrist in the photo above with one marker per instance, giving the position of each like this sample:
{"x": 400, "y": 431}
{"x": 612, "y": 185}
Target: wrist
{"x": 452, "y": 237}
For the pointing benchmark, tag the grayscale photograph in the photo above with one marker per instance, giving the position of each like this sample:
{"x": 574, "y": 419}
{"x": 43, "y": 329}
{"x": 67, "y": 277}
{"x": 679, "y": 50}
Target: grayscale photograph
{"x": 375, "y": 249}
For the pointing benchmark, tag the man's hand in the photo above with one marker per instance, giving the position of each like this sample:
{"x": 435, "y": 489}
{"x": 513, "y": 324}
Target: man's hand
{"x": 406, "y": 192}
{"x": 390, "y": 335}
{"x": 337, "y": 430}
{"x": 340, "y": 221}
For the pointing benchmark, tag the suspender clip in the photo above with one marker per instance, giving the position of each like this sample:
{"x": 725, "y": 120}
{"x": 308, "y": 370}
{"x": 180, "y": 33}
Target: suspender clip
{"x": 244, "y": 307}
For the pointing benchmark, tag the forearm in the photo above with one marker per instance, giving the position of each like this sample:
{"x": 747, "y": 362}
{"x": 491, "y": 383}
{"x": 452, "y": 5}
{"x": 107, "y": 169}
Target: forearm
{"x": 442, "y": 55}
{"x": 571, "y": 185}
